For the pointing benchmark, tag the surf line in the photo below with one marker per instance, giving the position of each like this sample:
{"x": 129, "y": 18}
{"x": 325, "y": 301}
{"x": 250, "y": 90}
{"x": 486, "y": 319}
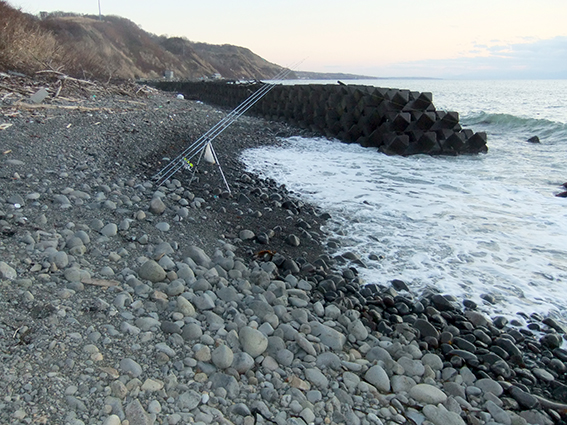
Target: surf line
{"x": 203, "y": 143}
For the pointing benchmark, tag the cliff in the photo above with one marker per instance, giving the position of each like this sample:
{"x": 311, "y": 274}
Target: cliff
{"x": 115, "y": 48}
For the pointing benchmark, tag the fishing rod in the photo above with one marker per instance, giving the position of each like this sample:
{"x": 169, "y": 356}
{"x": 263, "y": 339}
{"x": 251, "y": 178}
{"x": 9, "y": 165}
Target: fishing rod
{"x": 185, "y": 158}
{"x": 212, "y": 133}
{"x": 182, "y": 161}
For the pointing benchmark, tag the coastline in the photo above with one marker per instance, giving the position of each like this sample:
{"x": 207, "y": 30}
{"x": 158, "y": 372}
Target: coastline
{"x": 88, "y": 220}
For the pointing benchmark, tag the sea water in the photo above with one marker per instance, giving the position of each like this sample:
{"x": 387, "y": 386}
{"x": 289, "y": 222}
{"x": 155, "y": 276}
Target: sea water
{"x": 466, "y": 226}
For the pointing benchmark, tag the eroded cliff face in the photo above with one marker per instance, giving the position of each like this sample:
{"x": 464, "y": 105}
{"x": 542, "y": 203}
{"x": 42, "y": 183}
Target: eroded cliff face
{"x": 115, "y": 47}
{"x": 120, "y": 48}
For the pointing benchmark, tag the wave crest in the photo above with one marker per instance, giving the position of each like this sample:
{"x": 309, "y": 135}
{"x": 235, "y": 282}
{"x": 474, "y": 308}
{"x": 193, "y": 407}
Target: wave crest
{"x": 551, "y": 131}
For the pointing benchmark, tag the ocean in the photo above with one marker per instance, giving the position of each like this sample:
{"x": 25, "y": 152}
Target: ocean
{"x": 466, "y": 226}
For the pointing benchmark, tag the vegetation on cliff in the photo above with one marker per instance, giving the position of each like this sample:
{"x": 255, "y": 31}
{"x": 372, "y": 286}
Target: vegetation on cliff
{"x": 115, "y": 48}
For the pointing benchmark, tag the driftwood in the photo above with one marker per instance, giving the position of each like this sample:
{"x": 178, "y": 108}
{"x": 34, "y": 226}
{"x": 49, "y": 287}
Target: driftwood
{"x": 63, "y": 87}
{"x": 100, "y": 282}
{"x": 16, "y": 89}
{"x": 63, "y": 76}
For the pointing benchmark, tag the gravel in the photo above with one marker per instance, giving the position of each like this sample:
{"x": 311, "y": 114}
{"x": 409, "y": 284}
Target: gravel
{"x": 126, "y": 303}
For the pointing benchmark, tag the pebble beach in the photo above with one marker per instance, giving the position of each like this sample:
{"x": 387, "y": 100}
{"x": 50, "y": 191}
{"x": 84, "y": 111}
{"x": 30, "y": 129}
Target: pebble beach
{"x": 125, "y": 303}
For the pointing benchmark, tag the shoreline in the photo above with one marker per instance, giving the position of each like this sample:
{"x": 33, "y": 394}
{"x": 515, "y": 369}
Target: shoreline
{"x": 109, "y": 281}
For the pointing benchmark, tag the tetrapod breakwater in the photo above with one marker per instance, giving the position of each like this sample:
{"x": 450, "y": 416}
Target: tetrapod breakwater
{"x": 396, "y": 121}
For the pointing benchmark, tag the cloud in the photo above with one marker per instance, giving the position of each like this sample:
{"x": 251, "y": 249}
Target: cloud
{"x": 539, "y": 59}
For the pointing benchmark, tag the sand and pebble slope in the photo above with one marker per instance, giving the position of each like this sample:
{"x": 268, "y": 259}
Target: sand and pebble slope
{"x": 126, "y": 303}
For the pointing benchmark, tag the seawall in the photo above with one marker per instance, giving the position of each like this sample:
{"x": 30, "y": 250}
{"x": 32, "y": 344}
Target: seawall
{"x": 399, "y": 122}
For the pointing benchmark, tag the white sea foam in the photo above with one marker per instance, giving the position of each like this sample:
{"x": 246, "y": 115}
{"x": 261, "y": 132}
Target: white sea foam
{"x": 469, "y": 225}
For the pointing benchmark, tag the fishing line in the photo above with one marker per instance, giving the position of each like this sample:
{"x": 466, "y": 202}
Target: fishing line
{"x": 184, "y": 158}
{"x": 212, "y": 133}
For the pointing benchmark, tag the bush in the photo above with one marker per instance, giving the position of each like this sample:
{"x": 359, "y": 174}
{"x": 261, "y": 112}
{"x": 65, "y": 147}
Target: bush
{"x": 24, "y": 45}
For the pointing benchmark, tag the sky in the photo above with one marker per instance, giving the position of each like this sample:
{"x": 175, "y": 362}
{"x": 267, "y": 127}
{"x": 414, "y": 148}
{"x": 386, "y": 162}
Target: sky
{"x": 380, "y": 38}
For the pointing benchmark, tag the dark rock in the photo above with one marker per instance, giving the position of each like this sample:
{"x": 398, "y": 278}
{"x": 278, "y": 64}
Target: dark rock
{"x": 446, "y": 348}
{"x": 560, "y": 392}
{"x": 367, "y": 292}
{"x": 349, "y": 274}
{"x": 482, "y": 336}
{"x": 327, "y": 285}
{"x": 470, "y": 358}
{"x": 402, "y": 308}
{"x": 469, "y": 304}
{"x": 501, "y": 368}
{"x": 437, "y": 318}
{"x": 534, "y": 139}
{"x": 418, "y": 307}
{"x": 517, "y": 335}
{"x": 384, "y": 328}
{"x": 463, "y": 344}
{"x": 488, "y": 298}
{"x": 500, "y": 322}
{"x": 476, "y": 318}
{"x": 431, "y": 342}
{"x": 509, "y": 347}
{"x": 533, "y": 348}
{"x": 491, "y": 330}
{"x": 443, "y": 303}
{"x": 278, "y": 260}
{"x": 551, "y": 341}
{"x": 446, "y": 337}
{"x": 561, "y": 354}
{"x": 389, "y": 301}
{"x": 331, "y": 295}
{"x": 322, "y": 264}
{"x": 410, "y": 318}
{"x": 170, "y": 327}
{"x": 263, "y": 238}
{"x": 543, "y": 375}
{"x": 525, "y": 399}
{"x": 491, "y": 358}
{"x": 291, "y": 206}
{"x": 243, "y": 199}
{"x": 399, "y": 285}
{"x": 457, "y": 362}
{"x": 292, "y": 240}
{"x": 426, "y": 329}
{"x": 291, "y": 266}
{"x": 239, "y": 409}
{"x": 553, "y": 324}
{"x": 526, "y": 377}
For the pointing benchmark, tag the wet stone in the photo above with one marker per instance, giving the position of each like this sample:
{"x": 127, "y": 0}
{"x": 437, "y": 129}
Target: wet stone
{"x": 551, "y": 341}
{"x": 525, "y": 399}
{"x": 500, "y": 322}
{"x": 463, "y": 344}
{"x": 426, "y": 328}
